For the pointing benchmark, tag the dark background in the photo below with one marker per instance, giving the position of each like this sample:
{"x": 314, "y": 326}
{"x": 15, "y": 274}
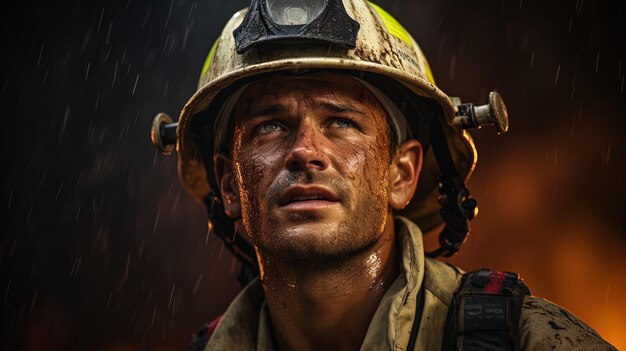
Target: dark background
{"x": 102, "y": 249}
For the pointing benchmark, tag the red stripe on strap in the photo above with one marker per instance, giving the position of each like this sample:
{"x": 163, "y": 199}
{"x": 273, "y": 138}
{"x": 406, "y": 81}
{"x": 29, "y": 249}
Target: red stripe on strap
{"x": 495, "y": 282}
{"x": 212, "y": 326}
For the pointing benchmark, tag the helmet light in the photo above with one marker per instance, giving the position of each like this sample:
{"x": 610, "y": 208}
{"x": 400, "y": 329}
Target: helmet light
{"x": 294, "y": 12}
{"x": 295, "y": 22}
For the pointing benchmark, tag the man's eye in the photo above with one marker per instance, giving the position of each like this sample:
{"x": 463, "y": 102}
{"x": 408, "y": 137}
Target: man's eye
{"x": 268, "y": 127}
{"x": 342, "y": 123}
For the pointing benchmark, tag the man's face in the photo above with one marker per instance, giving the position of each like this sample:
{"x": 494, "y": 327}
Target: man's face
{"x": 311, "y": 161}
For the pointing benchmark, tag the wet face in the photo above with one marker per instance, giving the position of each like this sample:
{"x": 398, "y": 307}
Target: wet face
{"x": 311, "y": 163}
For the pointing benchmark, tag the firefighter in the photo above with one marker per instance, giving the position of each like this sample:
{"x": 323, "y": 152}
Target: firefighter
{"x": 322, "y": 149}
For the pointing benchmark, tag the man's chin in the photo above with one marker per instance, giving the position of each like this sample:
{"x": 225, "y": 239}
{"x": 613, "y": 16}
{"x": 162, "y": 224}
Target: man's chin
{"x": 315, "y": 241}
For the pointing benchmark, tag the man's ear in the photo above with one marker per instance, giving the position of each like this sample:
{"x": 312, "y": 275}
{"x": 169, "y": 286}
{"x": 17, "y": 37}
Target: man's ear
{"x": 405, "y": 170}
{"x": 228, "y": 185}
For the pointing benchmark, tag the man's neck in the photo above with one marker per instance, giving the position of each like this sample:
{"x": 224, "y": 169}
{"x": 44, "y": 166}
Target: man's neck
{"x": 329, "y": 307}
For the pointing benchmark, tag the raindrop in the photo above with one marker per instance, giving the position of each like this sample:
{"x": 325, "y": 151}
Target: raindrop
{"x": 156, "y": 152}
{"x": 64, "y": 124}
{"x": 136, "y": 81}
{"x": 45, "y": 76}
{"x": 196, "y": 286}
{"x": 169, "y": 13}
{"x": 221, "y": 249}
{"x": 40, "y": 53}
{"x": 166, "y": 87}
{"x": 167, "y": 40}
{"x": 153, "y": 315}
{"x": 140, "y": 254}
{"x": 156, "y": 221}
{"x": 11, "y": 199}
{"x": 114, "y": 73}
{"x": 194, "y": 4}
{"x": 581, "y": 6}
{"x": 6, "y": 293}
{"x": 556, "y": 158}
{"x": 32, "y": 304}
{"x": 13, "y": 246}
{"x": 185, "y": 37}
{"x": 30, "y": 212}
{"x": 87, "y": 74}
{"x": 100, "y": 20}
{"x": 171, "y": 296}
{"x": 59, "y": 191}
{"x": 175, "y": 203}
{"x": 106, "y": 57}
{"x": 235, "y": 232}
{"x": 532, "y": 59}
{"x": 108, "y": 38}
{"x": 169, "y": 52}
{"x": 77, "y": 263}
{"x": 127, "y": 268}
{"x": 149, "y": 295}
{"x": 132, "y": 318}
{"x": 558, "y": 70}
{"x": 597, "y": 61}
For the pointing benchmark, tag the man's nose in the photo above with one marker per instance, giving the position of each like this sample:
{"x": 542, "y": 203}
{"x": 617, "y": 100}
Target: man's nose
{"x": 307, "y": 152}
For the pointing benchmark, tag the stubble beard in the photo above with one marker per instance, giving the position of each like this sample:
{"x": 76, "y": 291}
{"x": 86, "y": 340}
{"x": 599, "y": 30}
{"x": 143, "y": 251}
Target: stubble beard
{"x": 356, "y": 233}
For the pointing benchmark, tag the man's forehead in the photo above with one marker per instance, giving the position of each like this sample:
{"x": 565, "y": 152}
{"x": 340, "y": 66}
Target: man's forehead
{"x": 320, "y": 89}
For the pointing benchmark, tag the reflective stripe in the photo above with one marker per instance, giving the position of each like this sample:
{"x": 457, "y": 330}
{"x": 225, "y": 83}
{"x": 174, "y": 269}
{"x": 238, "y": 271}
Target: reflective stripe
{"x": 209, "y": 58}
{"x": 429, "y": 72}
{"x": 393, "y": 26}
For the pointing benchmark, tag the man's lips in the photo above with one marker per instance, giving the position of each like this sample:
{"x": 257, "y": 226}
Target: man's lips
{"x": 303, "y": 197}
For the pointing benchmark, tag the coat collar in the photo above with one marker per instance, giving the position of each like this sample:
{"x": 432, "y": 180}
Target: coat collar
{"x": 246, "y": 323}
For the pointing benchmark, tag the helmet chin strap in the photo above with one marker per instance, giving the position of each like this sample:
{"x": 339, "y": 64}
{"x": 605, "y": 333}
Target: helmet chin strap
{"x": 221, "y": 226}
{"x": 458, "y": 208}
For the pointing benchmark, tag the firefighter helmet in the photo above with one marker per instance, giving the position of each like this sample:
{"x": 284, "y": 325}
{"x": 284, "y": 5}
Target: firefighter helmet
{"x": 352, "y": 36}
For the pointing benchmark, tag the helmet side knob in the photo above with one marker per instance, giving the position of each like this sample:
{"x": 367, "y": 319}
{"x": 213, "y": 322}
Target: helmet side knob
{"x": 163, "y": 133}
{"x": 475, "y": 117}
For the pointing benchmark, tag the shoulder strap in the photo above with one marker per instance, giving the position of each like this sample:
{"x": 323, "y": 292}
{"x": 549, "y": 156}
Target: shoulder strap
{"x": 485, "y": 312}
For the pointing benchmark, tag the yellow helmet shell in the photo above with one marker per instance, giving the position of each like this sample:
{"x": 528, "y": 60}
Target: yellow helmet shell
{"x": 383, "y": 47}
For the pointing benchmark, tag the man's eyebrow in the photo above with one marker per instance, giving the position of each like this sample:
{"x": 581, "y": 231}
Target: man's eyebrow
{"x": 336, "y": 107}
{"x": 319, "y": 105}
{"x": 270, "y": 110}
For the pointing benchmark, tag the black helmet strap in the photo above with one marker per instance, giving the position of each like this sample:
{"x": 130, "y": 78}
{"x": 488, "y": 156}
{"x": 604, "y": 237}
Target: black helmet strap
{"x": 458, "y": 208}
